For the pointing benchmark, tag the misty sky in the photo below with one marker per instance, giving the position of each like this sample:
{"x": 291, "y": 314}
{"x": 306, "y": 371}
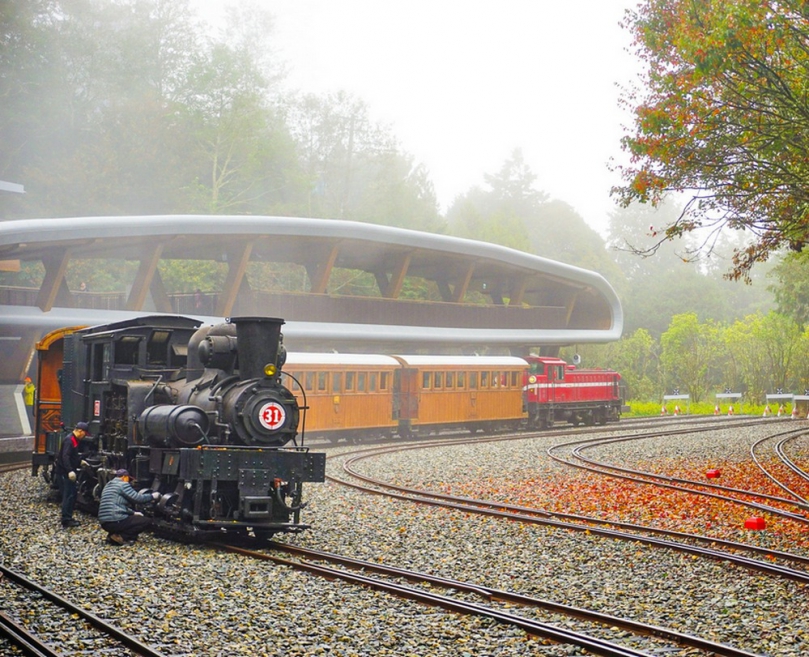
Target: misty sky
{"x": 464, "y": 82}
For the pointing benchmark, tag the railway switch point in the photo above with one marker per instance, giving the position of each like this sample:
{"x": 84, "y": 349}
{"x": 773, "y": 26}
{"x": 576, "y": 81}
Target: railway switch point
{"x": 755, "y": 523}
{"x": 713, "y": 474}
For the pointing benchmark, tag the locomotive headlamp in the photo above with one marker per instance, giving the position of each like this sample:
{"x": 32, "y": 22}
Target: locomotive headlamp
{"x": 270, "y": 369}
{"x": 532, "y": 379}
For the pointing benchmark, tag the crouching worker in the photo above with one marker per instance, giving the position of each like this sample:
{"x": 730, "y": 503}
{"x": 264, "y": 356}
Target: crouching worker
{"x": 116, "y": 513}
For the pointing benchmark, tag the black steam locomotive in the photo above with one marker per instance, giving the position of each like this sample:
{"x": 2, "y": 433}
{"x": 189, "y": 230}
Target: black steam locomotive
{"x": 196, "y": 413}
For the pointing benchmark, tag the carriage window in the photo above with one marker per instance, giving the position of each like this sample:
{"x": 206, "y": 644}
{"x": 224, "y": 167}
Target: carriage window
{"x": 514, "y": 379}
{"x": 495, "y": 379}
{"x": 450, "y": 382}
{"x": 473, "y": 380}
{"x": 383, "y": 380}
{"x": 362, "y": 382}
{"x": 438, "y": 380}
{"x": 461, "y": 380}
{"x": 372, "y": 381}
{"x": 484, "y": 379}
{"x": 309, "y": 381}
{"x": 322, "y": 379}
{"x": 425, "y": 380}
{"x": 294, "y": 378}
{"x": 336, "y": 382}
{"x": 350, "y": 380}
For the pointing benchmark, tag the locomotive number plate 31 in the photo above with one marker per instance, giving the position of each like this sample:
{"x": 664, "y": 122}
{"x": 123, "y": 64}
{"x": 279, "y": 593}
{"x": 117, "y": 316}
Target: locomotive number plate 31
{"x": 272, "y": 416}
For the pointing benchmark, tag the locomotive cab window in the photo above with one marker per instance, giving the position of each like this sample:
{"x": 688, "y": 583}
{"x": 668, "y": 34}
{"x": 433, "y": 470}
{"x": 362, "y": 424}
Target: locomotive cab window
{"x": 157, "y": 350}
{"x": 126, "y": 350}
{"x": 537, "y": 368}
{"x": 101, "y": 361}
{"x": 560, "y": 372}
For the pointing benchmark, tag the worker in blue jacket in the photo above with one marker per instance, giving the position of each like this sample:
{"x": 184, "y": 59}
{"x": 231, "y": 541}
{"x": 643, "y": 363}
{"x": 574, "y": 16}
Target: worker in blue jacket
{"x": 116, "y": 511}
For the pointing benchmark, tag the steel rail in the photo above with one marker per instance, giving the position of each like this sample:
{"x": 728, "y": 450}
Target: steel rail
{"x": 493, "y": 594}
{"x": 579, "y": 522}
{"x": 98, "y": 623}
{"x": 778, "y": 449}
{"x": 665, "y": 481}
{"x": 28, "y": 643}
{"x": 536, "y": 628}
{"x": 494, "y": 509}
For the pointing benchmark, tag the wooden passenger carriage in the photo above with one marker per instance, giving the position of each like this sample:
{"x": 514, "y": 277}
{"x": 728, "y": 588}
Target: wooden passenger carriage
{"x": 352, "y": 396}
{"x": 345, "y": 395}
{"x": 460, "y": 392}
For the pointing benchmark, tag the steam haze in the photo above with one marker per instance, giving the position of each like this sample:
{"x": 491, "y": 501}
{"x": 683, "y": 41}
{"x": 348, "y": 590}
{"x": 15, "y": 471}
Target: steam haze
{"x": 462, "y": 84}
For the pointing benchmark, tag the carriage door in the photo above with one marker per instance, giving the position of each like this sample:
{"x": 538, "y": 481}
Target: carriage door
{"x": 405, "y": 394}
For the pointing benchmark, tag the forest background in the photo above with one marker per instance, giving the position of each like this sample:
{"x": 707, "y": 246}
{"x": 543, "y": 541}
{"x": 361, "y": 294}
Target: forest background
{"x": 131, "y": 107}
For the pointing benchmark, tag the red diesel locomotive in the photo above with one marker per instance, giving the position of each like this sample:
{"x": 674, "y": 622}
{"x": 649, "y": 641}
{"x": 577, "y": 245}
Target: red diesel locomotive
{"x": 557, "y": 392}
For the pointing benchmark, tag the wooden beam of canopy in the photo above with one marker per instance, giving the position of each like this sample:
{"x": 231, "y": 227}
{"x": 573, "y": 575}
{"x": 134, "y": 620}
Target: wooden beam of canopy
{"x": 143, "y": 279}
{"x": 238, "y": 259}
{"x": 320, "y": 271}
{"x": 55, "y": 268}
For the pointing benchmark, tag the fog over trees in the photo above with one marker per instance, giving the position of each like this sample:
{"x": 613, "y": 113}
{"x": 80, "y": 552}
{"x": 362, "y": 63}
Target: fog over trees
{"x": 128, "y": 107}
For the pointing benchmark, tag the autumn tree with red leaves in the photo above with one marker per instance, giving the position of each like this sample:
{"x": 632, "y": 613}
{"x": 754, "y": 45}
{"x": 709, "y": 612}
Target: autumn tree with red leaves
{"x": 723, "y": 116}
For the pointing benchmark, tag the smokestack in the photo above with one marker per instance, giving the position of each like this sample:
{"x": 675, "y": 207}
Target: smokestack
{"x": 258, "y": 339}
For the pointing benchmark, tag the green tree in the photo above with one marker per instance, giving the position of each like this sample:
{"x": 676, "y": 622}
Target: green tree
{"x": 500, "y": 214}
{"x": 353, "y": 167}
{"x": 791, "y": 287}
{"x": 723, "y": 117}
{"x": 687, "y": 349}
{"x": 634, "y": 356}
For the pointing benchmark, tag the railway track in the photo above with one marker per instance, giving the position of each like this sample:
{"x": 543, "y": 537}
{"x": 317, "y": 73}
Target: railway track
{"x": 684, "y": 542}
{"x": 774, "y": 563}
{"x": 499, "y": 609}
{"x": 37, "y": 621}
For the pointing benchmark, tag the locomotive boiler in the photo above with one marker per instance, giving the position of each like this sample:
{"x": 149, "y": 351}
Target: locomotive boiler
{"x": 197, "y": 413}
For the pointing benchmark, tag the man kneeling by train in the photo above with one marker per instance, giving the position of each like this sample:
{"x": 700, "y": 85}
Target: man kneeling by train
{"x": 116, "y": 513}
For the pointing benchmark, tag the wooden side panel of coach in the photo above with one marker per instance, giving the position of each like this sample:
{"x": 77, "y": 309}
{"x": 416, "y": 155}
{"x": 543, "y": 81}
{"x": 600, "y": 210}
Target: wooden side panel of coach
{"x": 466, "y": 391}
{"x": 347, "y": 395}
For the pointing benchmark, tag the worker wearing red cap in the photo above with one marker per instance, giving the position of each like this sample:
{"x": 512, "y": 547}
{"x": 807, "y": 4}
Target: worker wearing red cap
{"x": 66, "y": 468}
